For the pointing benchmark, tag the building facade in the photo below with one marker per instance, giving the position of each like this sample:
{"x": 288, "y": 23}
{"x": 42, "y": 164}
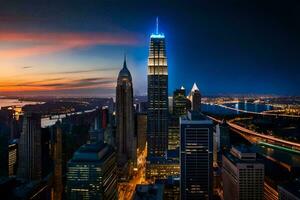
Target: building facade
{"x": 125, "y": 135}
{"x": 242, "y": 174}
{"x": 92, "y": 173}
{"x": 30, "y": 148}
{"x": 180, "y": 102}
{"x": 12, "y": 157}
{"x": 158, "y": 111}
{"x": 196, "y": 157}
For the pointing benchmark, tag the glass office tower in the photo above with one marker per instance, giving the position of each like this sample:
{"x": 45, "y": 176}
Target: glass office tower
{"x": 196, "y": 146}
{"x": 157, "y": 121}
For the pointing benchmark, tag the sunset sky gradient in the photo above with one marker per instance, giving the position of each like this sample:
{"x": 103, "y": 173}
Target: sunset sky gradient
{"x": 76, "y": 48}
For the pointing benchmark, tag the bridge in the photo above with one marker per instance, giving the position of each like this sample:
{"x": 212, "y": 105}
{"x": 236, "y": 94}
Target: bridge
{"x": 260, "y": 137}
{"x": 257, "y": 113}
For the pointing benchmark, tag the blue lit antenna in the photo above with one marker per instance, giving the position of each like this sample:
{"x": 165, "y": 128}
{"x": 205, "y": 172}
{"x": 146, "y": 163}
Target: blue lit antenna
{"x": 157, "y": 34}
{"x": 156, "y": 25}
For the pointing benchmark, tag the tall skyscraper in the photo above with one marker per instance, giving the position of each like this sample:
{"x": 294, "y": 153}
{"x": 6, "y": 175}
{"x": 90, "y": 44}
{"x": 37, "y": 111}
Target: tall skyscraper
{"x": 30, "y": 149}
{"x": 125, "y": 136}
{"x": 92, "y": 173}
{"x": 242, "y": 174}
{"x": 157, "y": 126}
{"x": 195, "y": 98}
{"x": 196, "y": 158}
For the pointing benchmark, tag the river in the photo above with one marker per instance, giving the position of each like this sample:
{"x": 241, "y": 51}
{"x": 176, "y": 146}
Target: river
{"x": 292, "y": 159}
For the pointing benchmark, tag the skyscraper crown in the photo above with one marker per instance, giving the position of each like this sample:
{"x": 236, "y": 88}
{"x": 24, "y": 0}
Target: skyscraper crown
{"x": 195, "y": 88}
{"x": 157, "y": 34}
{"x": 124, "y": 73}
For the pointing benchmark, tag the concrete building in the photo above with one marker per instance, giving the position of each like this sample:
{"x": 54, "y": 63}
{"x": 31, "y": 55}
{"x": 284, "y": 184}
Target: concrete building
{"x": 242, "y": 174}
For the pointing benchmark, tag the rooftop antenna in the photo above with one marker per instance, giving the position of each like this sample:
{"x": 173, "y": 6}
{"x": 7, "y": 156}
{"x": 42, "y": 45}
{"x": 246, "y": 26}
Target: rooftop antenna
{"x": 157, "y": 25}
{"x": 125, "y": 65}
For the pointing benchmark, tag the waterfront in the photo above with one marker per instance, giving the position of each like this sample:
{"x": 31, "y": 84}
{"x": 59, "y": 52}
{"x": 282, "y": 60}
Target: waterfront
{"x": 15, "y": 102}
{"x": 289, "y": 158}
{"x": 249, "y": 107}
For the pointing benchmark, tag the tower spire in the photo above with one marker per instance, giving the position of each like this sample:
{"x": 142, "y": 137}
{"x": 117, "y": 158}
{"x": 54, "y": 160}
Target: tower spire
{"x": 156, "y": 25}
{"x": 124, "y": 63}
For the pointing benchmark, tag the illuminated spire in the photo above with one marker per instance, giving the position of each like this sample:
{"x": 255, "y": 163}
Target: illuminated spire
{"x": 157, "y": 34}
{"x": 194, "y": 88}
{"x": 182, "y": 88}
{"x": 156, "y": 25}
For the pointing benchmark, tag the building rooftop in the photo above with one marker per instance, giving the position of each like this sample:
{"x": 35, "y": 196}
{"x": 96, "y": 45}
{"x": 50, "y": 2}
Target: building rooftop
{"x": 195, "y": 117}
{"x": 241, "y": 154}
{"x": 149, "y": 192}
{"x": 92, "y": 153}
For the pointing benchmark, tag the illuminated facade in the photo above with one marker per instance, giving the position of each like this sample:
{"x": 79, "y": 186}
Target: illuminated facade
{"x": 12, "y": 157}
{"x": 242, "y": 174}
{"x": 157, "y": 125}
{"x": 125, "y": 135}
{"x": 161, "y": 168}
{"x": 173, "y": 134}
{"x": 180, "y": 102}
{"x": 92, "y": 173}
{"x": 196, "y": 159}
{"x": 30, "y": 149}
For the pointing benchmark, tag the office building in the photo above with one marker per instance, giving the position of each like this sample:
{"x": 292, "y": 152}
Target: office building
{"x": 162, "y": 168}
{"x": 196, "y": 158}
{"x": 141, "y": 130}
{"x": 224, "y": 136}
{"x": 171, "y": 187}
{"x": 242, "y": 174}
{"x": 30, "y": 148}
{"x": 195, "y": 98}
{"x": 92, "y": 173}
{"x": 12, "y": 157}
{"x": 180, "y": 102}
{"x": 125, "y": 135}
{"x": 149, "y": 192}
{"x": 157, "y": 125}
{"x": 173, "y": 135}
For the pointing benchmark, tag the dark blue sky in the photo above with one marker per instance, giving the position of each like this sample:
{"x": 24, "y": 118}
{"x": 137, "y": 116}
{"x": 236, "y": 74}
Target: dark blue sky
{"x": 232, "y": 47}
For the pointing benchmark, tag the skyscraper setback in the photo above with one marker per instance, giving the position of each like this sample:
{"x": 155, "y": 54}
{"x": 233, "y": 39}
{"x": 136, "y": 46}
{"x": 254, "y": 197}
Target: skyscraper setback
{"x": 157, "y": 126}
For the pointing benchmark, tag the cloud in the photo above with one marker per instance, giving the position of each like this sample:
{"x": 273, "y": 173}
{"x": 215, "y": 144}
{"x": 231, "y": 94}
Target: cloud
{"x": 58, "y": 84}
{"x": 27, "y": 67}
{"x": 84, "y": 71}
{"x": 45, "y": 43}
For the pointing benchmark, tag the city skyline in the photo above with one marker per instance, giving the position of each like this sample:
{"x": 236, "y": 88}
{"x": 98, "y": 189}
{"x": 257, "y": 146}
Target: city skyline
{"x": 205, "y": 106}
{"x": 77, "y": 51}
